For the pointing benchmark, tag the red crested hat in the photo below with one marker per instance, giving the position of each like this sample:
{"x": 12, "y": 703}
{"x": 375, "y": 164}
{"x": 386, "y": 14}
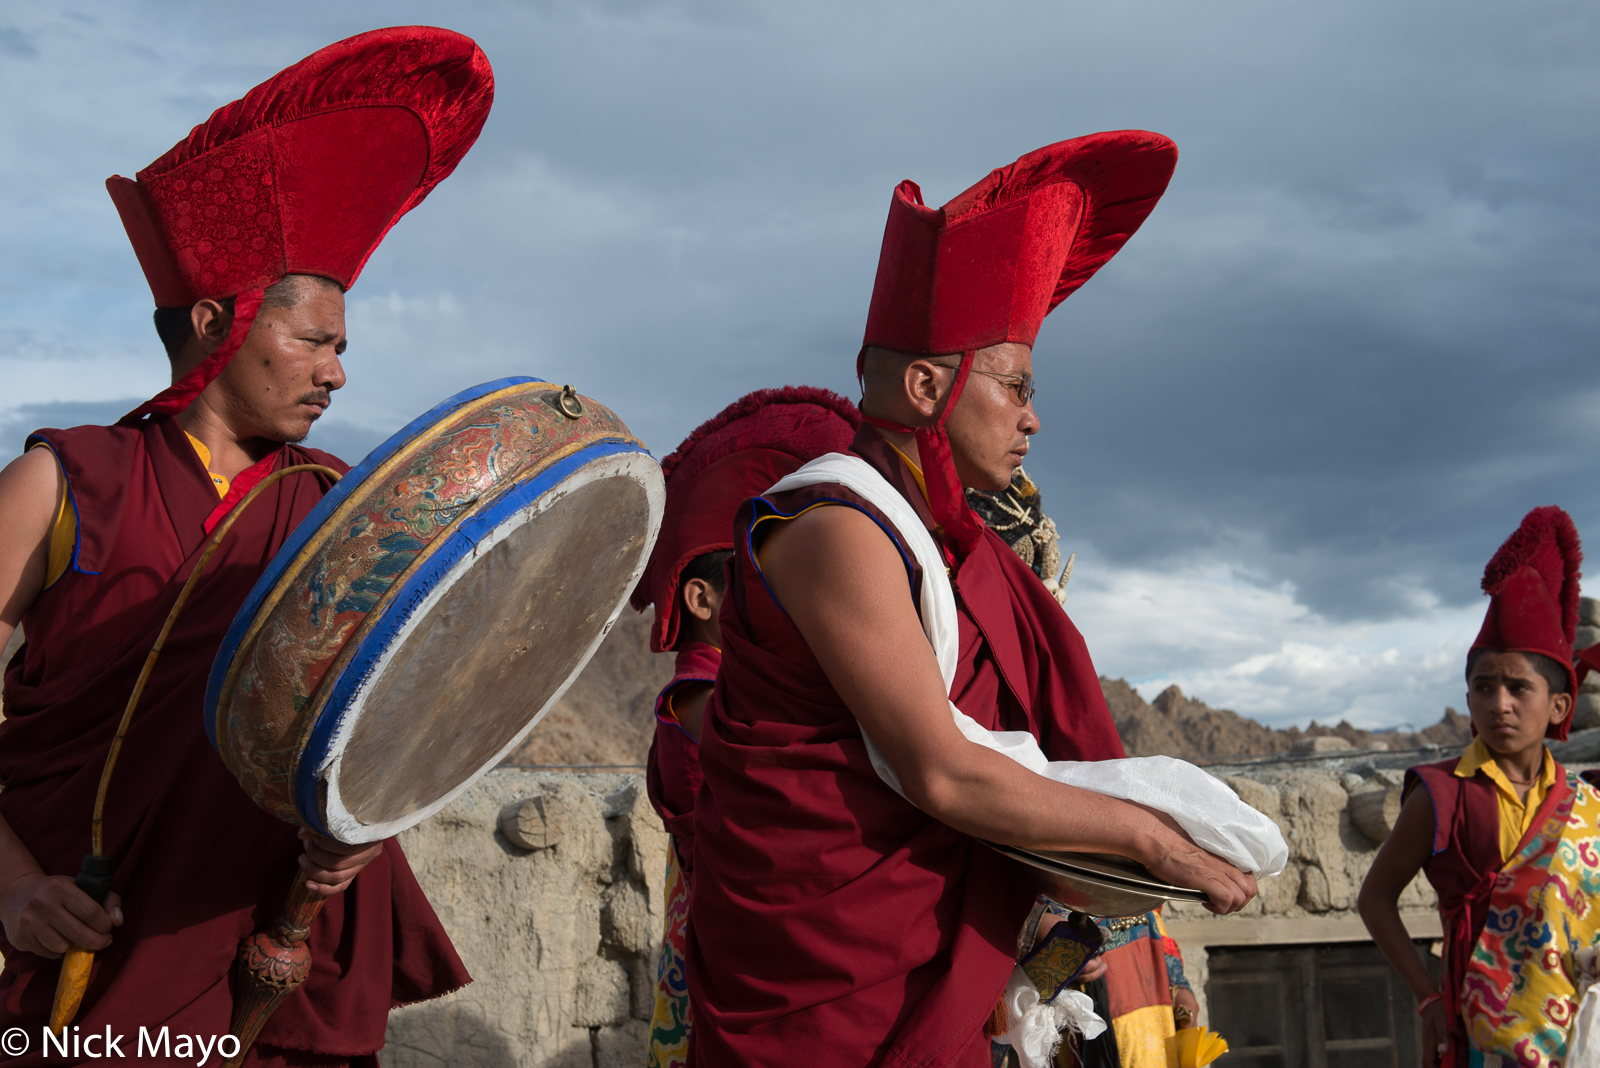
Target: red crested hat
{"x": 1532, "y": 583}
{"x": 735, "y": 455}
{"x": 304, "y": 174}
{"x": 991, "y": 264}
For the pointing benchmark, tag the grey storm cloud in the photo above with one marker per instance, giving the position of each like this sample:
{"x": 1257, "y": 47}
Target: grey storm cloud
{"x": 1354, "y": 343}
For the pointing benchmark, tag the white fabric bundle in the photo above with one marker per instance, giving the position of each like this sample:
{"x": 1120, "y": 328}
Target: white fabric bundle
{"x": 1036, "y": 1027}
{"x": 1202, "y": 805}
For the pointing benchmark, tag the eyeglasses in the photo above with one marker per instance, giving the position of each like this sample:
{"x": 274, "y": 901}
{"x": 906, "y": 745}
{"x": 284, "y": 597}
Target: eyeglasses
{"x": 1021, "y": 386}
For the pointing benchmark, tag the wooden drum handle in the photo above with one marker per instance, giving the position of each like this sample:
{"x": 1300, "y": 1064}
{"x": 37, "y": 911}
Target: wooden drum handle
{"x": 272, "y": 964}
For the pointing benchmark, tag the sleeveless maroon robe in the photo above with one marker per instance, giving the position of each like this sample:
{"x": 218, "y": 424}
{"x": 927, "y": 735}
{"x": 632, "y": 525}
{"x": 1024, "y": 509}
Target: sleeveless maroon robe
{"x": 198, "y": 865}
{"x": 1462, "y": 869}
{"x": 672, "y": 775}
{"x": 832, "y": 922}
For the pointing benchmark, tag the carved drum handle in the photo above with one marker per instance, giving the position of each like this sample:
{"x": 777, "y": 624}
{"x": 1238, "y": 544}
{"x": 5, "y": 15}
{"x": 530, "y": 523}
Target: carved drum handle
{"x": 272, "y": 964}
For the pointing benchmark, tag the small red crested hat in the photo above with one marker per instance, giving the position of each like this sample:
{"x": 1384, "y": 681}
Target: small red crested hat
{"x": 1532, "y": 583}
{"x": 304, "y": 174}
{"x": 991, "y": 264}
{"x": 735, "y": 455}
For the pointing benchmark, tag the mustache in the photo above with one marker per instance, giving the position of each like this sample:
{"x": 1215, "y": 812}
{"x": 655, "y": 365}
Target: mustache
{"x": 317, "y": 396}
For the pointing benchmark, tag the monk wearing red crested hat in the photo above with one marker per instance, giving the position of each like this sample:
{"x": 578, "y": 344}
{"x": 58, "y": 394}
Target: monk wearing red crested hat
{"x": 733, "y": 456}
{"x": 249, "y": 232}
{"x": 844, "y": 911}
{"x": 1508, "y": 837}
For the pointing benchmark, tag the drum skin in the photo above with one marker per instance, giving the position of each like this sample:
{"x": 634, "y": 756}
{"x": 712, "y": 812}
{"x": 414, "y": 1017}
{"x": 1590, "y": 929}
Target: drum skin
{"x": 430, "y": 610}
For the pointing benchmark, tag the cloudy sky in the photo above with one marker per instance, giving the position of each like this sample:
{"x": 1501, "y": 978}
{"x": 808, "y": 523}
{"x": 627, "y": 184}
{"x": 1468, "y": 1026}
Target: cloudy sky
{"x": 1283, "y": 430}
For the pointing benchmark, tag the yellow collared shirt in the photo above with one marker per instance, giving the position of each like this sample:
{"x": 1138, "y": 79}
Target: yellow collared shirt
{"x": 1516, "y": 816}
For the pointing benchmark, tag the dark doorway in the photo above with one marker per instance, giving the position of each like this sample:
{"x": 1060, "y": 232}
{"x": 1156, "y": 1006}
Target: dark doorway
{"x": 1334, "y": 1006}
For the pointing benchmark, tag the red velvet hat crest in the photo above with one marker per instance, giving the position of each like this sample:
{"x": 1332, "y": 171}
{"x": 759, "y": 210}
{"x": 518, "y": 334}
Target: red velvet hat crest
{"x": 1532, "y": 582}
{"x": 993, "y": 262}
{"x": 308, "y": 171}
{"x": 735, "y": 455}
{"x": 304, "y": 174}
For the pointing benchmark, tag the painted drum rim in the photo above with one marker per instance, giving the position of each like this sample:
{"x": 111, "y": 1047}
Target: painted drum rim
{"x": 374, "y": 616}
{"x": 248, "y": 619}
{"x": 334, "y": 719}
{"x": 318, "y": 535}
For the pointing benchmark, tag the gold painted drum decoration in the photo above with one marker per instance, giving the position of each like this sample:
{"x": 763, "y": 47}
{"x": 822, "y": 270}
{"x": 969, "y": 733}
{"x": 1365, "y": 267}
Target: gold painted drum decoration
{"x": 432, "y": 608}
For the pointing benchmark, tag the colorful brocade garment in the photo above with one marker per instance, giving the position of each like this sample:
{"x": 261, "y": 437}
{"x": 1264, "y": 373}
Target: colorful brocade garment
{"x": 1512, "y": 926}
{"x": 1143, "y": 967}
{"x": 669, "y": 1023}
{"x": 1518, "y": 996}
{"x": 672, "y": 780}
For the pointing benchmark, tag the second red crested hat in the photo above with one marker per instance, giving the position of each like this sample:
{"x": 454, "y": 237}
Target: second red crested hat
{"x": 306, "y": 173}
{"x": 1532, "y": 583}
{"x": 993, "y": 262}
{"x": 735, "y": 455}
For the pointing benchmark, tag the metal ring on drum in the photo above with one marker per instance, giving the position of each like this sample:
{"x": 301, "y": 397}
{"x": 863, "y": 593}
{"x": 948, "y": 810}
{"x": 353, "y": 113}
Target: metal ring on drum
{"x": 432, "y": 608}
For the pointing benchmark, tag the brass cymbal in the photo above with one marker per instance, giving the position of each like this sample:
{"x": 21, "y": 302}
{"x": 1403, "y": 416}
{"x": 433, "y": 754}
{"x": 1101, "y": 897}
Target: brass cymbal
{"x": 1097, "y": 884}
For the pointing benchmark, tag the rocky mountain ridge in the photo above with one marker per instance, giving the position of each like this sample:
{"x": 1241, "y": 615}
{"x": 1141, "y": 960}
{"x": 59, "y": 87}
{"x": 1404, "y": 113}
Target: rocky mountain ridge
{"x": 607, "y": 717}
{"x": 1176, "y": 725}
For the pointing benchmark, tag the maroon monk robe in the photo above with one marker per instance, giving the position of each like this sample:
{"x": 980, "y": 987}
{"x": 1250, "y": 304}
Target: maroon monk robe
{"x": 198, "y": 865}
{"x": 672, "y": 777}
{"x": 1465, "y": 859}
{"x": 832, "y": 922}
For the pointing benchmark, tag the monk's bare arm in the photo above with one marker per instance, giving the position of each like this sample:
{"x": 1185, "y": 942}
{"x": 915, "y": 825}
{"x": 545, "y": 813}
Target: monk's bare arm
{"x": 30, "y": 496}
{"x": 41, "y": 914}
{"x": 1402, "y": 856}
{"x": 843, "y": 583}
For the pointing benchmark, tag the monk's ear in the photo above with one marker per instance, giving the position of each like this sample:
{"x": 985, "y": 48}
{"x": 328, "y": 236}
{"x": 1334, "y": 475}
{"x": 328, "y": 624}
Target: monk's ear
{"x": 700, "y": 600}
{"x": 1560, "y": 707}
{"x": 210, "y": 322}
{"x": 925, "y": 383}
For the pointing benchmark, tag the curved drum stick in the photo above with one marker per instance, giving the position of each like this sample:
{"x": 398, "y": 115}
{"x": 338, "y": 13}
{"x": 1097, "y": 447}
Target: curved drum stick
{"x": 94, "y": 877}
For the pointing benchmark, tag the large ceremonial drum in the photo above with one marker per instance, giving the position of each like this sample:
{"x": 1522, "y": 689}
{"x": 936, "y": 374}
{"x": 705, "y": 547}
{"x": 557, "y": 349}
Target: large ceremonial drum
{"x": 431, "y": 609}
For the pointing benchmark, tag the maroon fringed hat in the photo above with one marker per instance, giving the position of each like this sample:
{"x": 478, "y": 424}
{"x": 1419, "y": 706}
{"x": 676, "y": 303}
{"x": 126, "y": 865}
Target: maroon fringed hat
{"x": 735, "y": 455}
{"x": 992, "y": 263}
{"x": 304, "y": 174}
{"x": 1532, "y": 583}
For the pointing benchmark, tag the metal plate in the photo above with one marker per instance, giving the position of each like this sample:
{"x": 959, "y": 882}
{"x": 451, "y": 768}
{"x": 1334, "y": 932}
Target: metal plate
{"x": 1099, "y": 885}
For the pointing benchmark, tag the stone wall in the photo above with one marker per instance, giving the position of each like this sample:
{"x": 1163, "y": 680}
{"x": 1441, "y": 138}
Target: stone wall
{"x": 1334, "y": 811}
{"x": 559, "y": 923}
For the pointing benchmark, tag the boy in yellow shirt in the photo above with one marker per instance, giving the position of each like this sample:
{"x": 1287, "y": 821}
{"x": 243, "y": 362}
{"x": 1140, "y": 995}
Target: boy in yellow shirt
{"x": 1508, "y": 837}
